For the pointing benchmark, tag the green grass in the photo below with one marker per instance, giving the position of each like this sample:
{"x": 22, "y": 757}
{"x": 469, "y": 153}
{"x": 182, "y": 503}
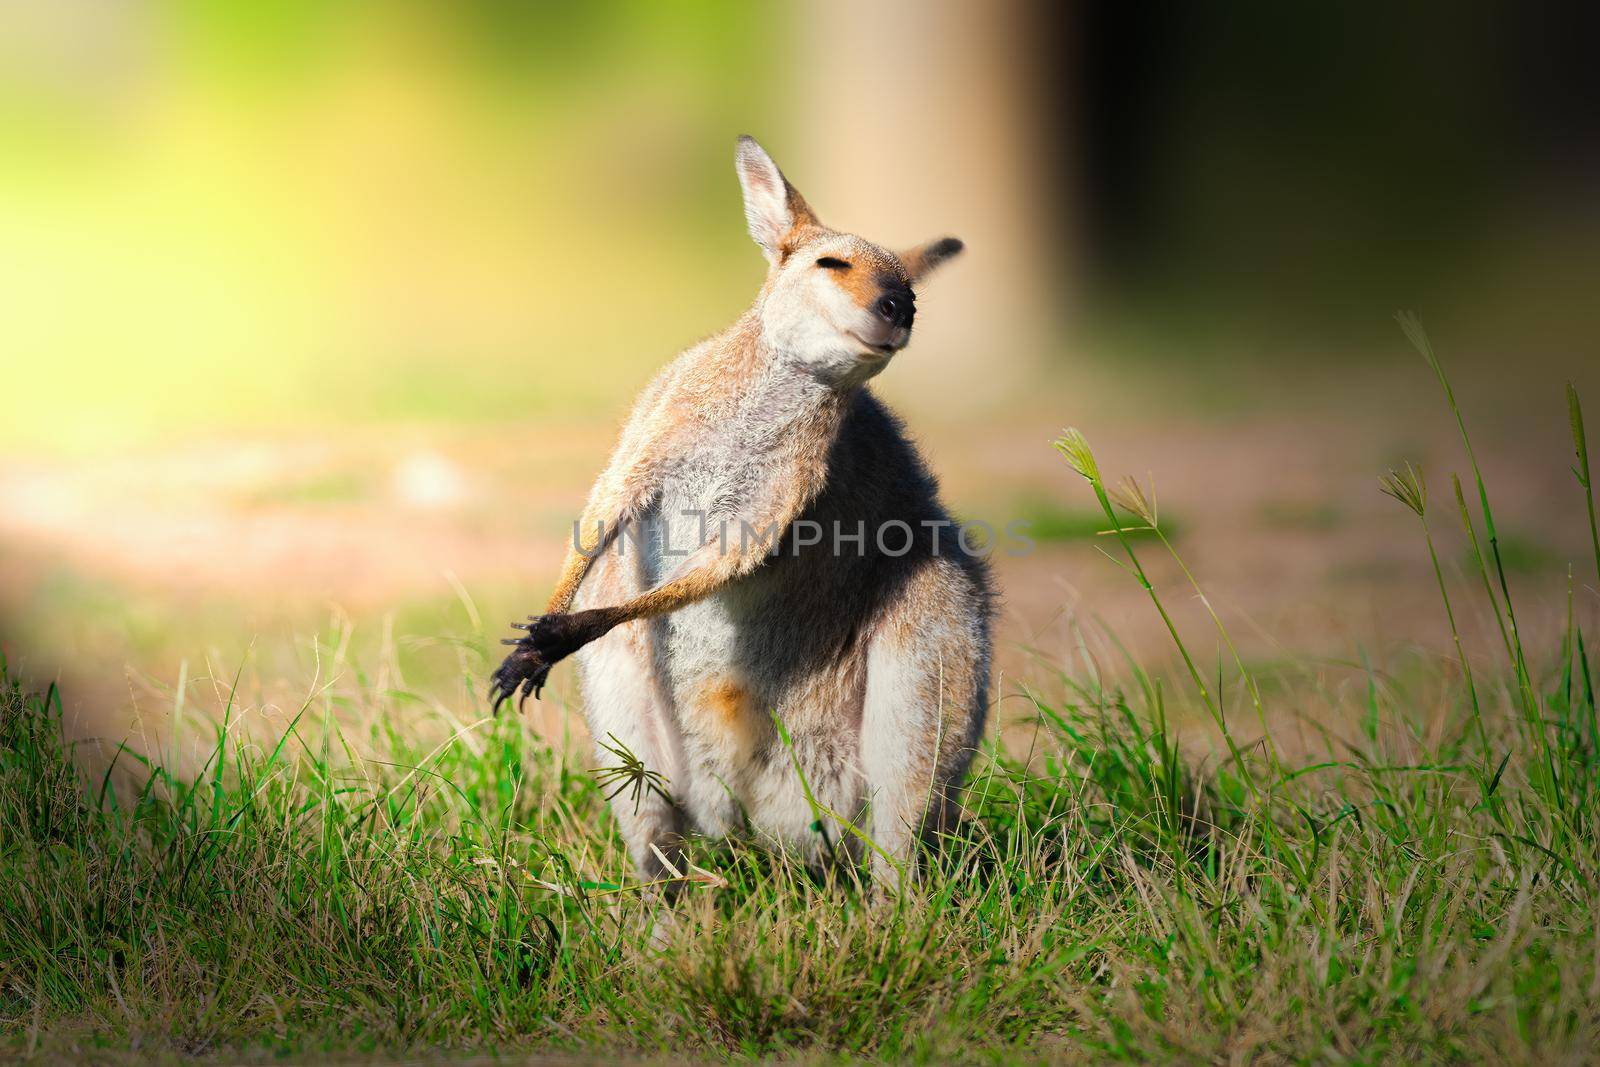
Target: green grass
{"x": 1164, "y": 871}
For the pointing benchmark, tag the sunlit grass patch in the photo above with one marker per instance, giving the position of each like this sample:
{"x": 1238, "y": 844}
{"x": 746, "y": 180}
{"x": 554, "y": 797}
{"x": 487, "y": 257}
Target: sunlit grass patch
{"x": 1411, "y": 875}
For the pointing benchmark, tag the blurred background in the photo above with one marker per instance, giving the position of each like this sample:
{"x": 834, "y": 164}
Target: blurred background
{"x": 317, "y": 319}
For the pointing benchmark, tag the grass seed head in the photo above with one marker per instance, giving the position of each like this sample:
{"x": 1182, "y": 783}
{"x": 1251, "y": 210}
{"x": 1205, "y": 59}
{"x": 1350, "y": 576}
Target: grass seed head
{"x": 629, "y": 775}
{"x": 1408, "y": 487}
{"x": 1411, "y": 324}
{"x": 1130, "y": 496}
{"x": 1079, "y": 456}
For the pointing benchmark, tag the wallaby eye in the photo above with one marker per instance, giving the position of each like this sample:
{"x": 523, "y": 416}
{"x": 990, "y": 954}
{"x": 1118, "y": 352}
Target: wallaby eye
{"x": 829, "y": 263}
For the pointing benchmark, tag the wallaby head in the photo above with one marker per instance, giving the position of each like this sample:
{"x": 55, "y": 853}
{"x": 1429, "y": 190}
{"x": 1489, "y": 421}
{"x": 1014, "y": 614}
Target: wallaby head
{"x": 838, "y": 302}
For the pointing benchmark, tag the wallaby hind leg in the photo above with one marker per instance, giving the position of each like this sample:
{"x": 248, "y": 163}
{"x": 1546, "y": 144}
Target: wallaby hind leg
{"x": 628, "y": 714}
{"x": 926, "y": 701}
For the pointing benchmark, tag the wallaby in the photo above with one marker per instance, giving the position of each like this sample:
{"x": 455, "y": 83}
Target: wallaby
{"x": 773, "y": 610}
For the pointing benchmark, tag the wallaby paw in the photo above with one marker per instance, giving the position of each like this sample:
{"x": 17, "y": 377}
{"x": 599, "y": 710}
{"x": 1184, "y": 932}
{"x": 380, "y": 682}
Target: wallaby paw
{"x": 549, "y": 640}
{"x": 522, "y": 669}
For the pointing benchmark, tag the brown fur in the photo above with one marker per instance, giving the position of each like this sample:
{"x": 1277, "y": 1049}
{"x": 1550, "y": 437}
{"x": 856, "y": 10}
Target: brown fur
{"x": 874, "y": 661}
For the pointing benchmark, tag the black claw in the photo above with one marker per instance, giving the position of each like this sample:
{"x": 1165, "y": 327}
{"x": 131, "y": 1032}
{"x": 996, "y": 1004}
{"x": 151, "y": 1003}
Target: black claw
{"x": 548, "y": 640}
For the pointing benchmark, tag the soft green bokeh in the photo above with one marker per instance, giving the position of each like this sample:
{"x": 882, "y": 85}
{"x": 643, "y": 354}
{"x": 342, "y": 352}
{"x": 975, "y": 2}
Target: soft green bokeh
{"x": 214, "y": 214}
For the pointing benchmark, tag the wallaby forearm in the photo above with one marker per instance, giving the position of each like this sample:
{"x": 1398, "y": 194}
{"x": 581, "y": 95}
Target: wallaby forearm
{"x": 618, "y": 496}
{"x": 559, "y": 633}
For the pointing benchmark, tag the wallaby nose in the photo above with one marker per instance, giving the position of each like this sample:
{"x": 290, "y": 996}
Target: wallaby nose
{"x": 897, "y": 307}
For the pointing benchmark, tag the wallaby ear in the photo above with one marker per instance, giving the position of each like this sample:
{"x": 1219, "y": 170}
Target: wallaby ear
{"x": 772, "y": 206}
{"x": 921, "y": 260}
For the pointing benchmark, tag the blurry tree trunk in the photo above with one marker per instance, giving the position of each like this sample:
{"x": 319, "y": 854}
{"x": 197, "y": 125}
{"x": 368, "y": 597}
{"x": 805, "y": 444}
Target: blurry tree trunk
{"x": 921, "y": 118}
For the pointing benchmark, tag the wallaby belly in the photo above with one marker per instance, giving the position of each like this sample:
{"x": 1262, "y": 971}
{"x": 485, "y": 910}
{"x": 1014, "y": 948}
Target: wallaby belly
{"x": 767, "y": 730}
